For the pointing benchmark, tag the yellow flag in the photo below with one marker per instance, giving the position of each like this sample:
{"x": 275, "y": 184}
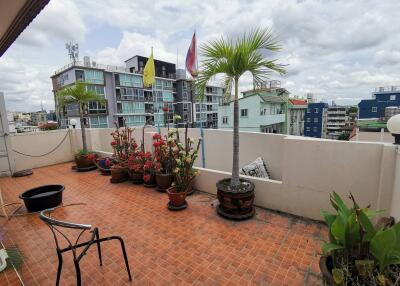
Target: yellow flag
{"x": 149, "y": 71}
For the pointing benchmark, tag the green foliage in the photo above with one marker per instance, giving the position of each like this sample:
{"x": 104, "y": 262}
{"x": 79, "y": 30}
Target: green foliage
{"x": 353, "y": 235}
{"x": 385, "y": 247}
{"x": 344, "y": 136}
{"x": 353, "y": 109}
{"x": 233, "y": 58}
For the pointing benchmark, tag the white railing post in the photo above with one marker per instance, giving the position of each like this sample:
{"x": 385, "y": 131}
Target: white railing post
{"x": 395, "y": 207}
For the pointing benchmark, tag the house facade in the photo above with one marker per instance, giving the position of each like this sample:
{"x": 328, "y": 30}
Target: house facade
{"x": 258, "y": 112}
{"x": 296, "y": 111}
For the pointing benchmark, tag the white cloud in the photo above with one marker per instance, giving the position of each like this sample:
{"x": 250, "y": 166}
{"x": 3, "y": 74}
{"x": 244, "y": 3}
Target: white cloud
{"x": 338, "y": 50}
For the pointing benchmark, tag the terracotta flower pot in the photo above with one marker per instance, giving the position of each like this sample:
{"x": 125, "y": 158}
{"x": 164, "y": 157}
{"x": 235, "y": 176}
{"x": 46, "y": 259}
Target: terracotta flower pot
{"x": 119, "y": 174}
{"x": 82, "y": 162}
{"x": 163, "y": 181}
{"x": 149, "y": 180}
{"x": 136, "y": 177}
{"x": 189, "y": 189}
{"x": 176, "y": 199}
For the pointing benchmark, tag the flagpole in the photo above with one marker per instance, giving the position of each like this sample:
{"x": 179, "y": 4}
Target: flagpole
{"x": 203, "y": 155}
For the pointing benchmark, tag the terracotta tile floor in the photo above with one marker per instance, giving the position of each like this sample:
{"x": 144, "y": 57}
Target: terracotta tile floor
{"x": 191, "y": 247}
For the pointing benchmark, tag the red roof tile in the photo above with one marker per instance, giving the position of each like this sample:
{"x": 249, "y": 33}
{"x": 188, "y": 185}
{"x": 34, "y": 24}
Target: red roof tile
{"x": 298, "y": 101}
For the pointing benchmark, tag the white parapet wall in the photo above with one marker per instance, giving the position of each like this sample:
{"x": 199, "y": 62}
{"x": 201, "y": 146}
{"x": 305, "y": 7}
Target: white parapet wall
{"x": 303, "y": 170}
{"x": 36, "y": 145}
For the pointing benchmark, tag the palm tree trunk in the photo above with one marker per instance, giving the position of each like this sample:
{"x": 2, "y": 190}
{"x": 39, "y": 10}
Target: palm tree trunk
{"x": 235, "y": 164}
{"x": 84, "y": 144}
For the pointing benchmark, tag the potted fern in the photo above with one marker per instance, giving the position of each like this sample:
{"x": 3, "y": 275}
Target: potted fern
{"x": 359, "y": 252}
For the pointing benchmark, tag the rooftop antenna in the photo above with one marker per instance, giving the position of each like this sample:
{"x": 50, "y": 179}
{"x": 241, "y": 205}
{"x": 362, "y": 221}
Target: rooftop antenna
{"x": 73, "y": 51}
{"x": 41, "y": 105}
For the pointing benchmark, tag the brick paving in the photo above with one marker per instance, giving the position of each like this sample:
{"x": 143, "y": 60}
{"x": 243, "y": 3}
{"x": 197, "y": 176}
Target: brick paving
{"x": 190, "y": 247}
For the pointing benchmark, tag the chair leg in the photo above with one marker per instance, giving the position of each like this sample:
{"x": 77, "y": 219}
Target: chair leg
{"x": 78, "y": 273}
{"x": 60, "y": 262}
{"x": 98, "y": 245}
{"x": 125, "y": 257}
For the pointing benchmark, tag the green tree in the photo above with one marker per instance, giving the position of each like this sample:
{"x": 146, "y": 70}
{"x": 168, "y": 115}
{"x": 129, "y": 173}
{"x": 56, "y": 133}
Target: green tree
{"x": 232, "y": 58}
{"x": 78, "y": 93}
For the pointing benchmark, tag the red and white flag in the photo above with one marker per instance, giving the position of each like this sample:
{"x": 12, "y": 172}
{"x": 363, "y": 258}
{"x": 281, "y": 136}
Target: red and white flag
{"x": 191, "y": 57}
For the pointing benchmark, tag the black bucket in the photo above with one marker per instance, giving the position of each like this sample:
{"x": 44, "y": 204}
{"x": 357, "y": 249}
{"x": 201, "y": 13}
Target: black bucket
{"x": 43, "y": 197}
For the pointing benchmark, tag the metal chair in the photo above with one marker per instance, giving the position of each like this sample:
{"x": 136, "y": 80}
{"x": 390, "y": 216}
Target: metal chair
{"x": 56, "y": 225}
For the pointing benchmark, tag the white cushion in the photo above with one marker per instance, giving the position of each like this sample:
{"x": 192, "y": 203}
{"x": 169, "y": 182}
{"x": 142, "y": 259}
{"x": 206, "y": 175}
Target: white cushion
{"x": 257, "y": 168}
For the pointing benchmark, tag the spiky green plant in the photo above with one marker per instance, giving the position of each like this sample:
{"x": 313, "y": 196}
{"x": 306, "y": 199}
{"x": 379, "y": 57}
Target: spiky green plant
{"x": 78, "y": 93}
{"x": 232, "y": 58}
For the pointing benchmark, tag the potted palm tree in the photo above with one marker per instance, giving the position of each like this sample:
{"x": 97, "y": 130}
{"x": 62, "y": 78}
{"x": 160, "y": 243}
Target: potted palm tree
{"x": 232, "y": 58}
{"x": 79, "y": 94}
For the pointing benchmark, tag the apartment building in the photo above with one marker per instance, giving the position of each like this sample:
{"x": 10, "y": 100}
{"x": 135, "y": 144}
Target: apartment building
{"x": 127, "y": 100}
{"x": 382, "y": 97}
{"x": 315, "y": 120}
{"x": 38, "y": 118}
{"x": 336, "y": 121}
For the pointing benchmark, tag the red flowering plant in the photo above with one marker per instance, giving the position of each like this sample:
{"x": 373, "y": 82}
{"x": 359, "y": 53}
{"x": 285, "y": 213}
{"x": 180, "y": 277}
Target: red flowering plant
{"x": 163, "y": 153}
{"x": 123, "y": 144}
{"x": 91, "y": 156}
{"x": 149, "y": 167}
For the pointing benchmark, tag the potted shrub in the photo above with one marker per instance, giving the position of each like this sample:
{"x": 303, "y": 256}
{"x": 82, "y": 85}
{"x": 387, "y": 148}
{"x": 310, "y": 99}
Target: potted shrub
{"x": 359, "y": 252}
{"x": 85, "y": 160}
{"x": 123, "y": 146}
{"x": 80, "y": 95}
{"x": 135, "y": 165}
{"x": 163, "y": 158}
{"x": 184, "y": 173}
{"x": 233, "y": 58}
{"x": 149, "y": 170}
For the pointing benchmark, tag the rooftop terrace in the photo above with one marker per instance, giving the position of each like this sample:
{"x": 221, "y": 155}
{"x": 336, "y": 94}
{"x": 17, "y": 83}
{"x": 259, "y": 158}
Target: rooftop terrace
{"x": 194, "y": 247}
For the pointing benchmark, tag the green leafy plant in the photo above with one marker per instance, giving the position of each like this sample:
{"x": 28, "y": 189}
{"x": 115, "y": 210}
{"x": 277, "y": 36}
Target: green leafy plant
{"x": 355, "y": 241}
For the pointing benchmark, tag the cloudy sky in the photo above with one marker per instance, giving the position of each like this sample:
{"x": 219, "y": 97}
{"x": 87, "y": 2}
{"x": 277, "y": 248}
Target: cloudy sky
{"x": 338, "y": 50}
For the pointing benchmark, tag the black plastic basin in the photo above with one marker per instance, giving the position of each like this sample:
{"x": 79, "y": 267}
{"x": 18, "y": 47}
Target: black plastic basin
{"x": 43, "y": 197}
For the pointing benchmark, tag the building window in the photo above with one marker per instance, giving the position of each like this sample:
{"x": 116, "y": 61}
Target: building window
{"x": 308, "y": 129}
{"x": 315, "y": 129}
{"x": 95, "y": 107}
{"x": 263, "y": 112}
{"x": 315, "y": 120}
{"x": 393, "y": 97}
{"x": 184, "y": 96}
{"x": 225, "y": 120}
{"x": 98, "y": 122}
{"x": 243, "y": 112}
{"x": 185, "y": 117}
{"x": 97, "y": 89}
{"x": 316, "y": 110}
{"x": 374, "y": 109}
{"x": 308, "y": 110}
{"x": 185, "y": 107}
{"x": 94, "y": 76}
{"x": 308, "y": 120}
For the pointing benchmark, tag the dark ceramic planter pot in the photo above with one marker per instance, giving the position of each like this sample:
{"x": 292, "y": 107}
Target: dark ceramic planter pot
{"x": 118, "y": 174}
{"x": 235, "y": 204}
{"x": 82, "y": 162}
{"x": 325, "y": 266}
{"x": 150, "y": 182}
{"x": 137, "y": 178}
{"x": 163, "y": 181}
{"x": 176, "y": 199}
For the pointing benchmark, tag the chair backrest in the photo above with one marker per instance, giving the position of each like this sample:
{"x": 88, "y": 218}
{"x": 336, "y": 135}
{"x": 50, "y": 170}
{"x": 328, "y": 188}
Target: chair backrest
{"x": 54, "y": 222}
{"x": 55, "y": 226}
